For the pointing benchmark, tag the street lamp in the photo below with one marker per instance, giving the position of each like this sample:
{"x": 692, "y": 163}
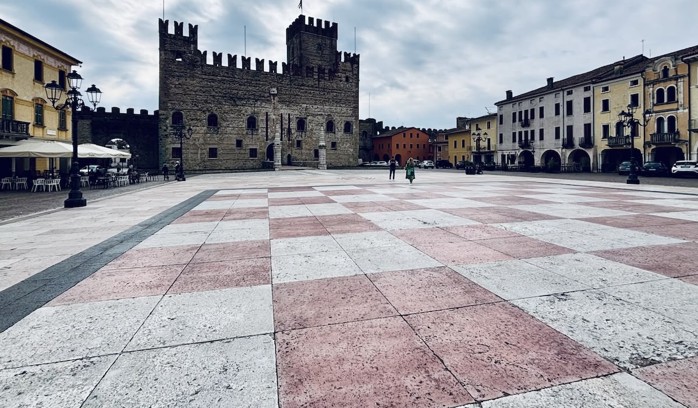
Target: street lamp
{"x": 74, "y": 102}
{"x": 178, "y": 132}
{"x": 627, "y": 119}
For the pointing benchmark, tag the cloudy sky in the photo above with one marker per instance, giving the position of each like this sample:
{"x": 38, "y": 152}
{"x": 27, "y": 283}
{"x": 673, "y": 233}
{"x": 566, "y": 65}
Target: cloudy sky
{"x": 423, "y": 62}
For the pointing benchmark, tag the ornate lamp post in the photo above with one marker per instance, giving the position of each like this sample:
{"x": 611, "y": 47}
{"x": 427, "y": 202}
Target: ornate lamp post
{"x": 73, "y": 102}
{"x": 178, "y": 132}
{"x": 627, "y": 119}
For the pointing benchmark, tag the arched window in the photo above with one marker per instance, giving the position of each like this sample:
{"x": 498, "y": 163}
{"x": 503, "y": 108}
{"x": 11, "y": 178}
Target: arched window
{"x": 300, "y": 125}
{"x": 671, "y": 124}
{"x": 661, "y": 125}
{"x": 251, "y": 122}
{"x": 348, "y": 128}
{"x": 329, "y": 126}
{"x": 671, "y": 94}
{"x": 665, "y": 72}
{"x": 177, "y": 118}
{"x": 659, "y": 96}
{"x": 212, "y": 120}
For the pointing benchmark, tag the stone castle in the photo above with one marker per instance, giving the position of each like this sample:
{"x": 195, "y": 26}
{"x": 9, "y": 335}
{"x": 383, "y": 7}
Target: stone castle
{"x": 235, "y": 110}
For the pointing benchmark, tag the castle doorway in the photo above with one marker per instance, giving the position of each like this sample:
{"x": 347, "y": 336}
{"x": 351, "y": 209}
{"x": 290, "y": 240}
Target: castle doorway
{"x": 270, "y": 152}
{"x": 289, "y": 162}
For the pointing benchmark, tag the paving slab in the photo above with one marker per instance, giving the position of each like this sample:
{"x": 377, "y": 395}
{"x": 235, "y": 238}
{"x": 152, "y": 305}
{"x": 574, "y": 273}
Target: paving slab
{"x": 671, "y": 260}
{"x": 678, "y": 379}
{"x": 205, "y": 276}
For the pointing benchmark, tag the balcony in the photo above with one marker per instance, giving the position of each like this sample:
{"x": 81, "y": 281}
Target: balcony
{"x": 618, "y": 141}
{"x": 13, "y": 129}
{"x": 664, "y": 138}
{"x": 525, "y": 123}
{"x": 586, "y": 142}
{"x": 568, "y": 143}
{"x": 526, "y": 144}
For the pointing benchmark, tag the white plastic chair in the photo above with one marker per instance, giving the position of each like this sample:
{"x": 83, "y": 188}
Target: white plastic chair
{"x": 21, "y": 183}
{"x": 39, "y": 183}
{"x": 6, "y": 181}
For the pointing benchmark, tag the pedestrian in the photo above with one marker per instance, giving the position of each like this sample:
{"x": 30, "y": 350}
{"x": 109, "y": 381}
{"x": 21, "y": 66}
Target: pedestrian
{"x": 165, "y": 172}
{"x": 393, "y": 165}
{"x": 409, "y": 170}
{"x": 178, "y": 171}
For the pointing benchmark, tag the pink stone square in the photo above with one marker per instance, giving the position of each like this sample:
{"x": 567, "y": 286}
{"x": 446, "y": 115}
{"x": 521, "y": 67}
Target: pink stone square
{"x": 285, "y": 201}
{"x": 296, "y": 227}
{"x": 690, "y": 279}
{"x": 366, "y": 207}
{"x": 230, "y": 251}
{"x": 670, "y": 260}
{"x": 497, "y": 350}
{"x": 328, "y": 301}
{"x": 651, "y": 222}
{"x": 461, "y": 252}
{"x": 510, "y": 200}
{"x": 200, "y": 216}
{"x": 316, "y": 200}
{"x": 678, "y": 379}
{"x": 347, "y": 223}
{"x": 685, "y": 230}
{"x": 480, "y": 232}
{"x": 372, "y": 363}
{"x": 525, "y": 247}
{"x": 201, "y": 277}
{"x": 246, "y": 214}
{"x": 111, "y": 284}
{"x": 140, "y": 258}
{"x": 423, "y": 290}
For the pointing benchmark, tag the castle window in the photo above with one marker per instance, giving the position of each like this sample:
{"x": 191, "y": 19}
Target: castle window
{"x": 253, "y": 153}
{"x": 659, "y": 96}
{"x": 176, "y": 153}
{"x": 238, "y": 143}
{"x": 178, "y": 56}
{"x": 671, "y": 94}
{"x": 251, "y": 122}
{"x": 299, "y": 144}
{"x": 177, "y": 118}
{"x": 316, "y": 153}
{"x": 333, "y": 145}
{"x": 346, "y": 79}
{"x": 348, "y": 128}
{"x": 212, "y": 152}
{"x": 300, "y": 125}
{"x": 212, "y": 120}
{"x": 329, "y": 126}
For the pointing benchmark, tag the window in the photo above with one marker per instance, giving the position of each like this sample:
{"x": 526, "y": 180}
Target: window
{"x": 587, "y": 104}
{"x": 238, "y": 143}
{"x": 212, "y": 152}
{"x": 397, "y": 145}
{"x": 635, "y": 99}
{"x": 348, "y": 128}
{"x": 619, "y": 129}
{"x": 520, "y": 116}
{"x": 329, "y": 126}
{"x": 570, "y": 92}
{"x": 568, "y": 108}
{"x": 671, "y": 94}
{"x": 251, "y": 123}
{"x": 605, "y": 105}
{"x": 253, "y": 153}
{"x": 299, "y": 144}
{"x": 557, "y": 132}
{"x": 604, "y": 88}
{"x": 8, "y": 107}
{"x": 557, "y": 109}
{"x": 513, "y": 117}
{"x": 300, "y": 125}
{"x": 316, "y": 153}
{"x": 661, "y": 125}
{"x": 212, "y": 120}
{"x": 455, "y": 144}
{"x": 462, "y": 143}
{"x": 659, "y": 96}
{"x": 501, "y": 119}
{"x": 671, "y": 124}
{"x": 525, "y": 115}
{"x": 176, "y": 153}
{"x": 7, "y": 59}
{"x": 570, "y": 132}
{"x": 513, "y": 137}
{"x": 587, "y": 131}
{"x": 587, "y": 88}
{"x": 501, "y": 138}
{"x": 605, "y": 131}
{"x": 333, "y": 145}
{"x": 634, "y": 82}
{"x": 38, "y": 114}
{"x": 665, "y": 72}
{"x": 489, "y": 125}
{"x": 177, "y": 118}
{"x": 38, "y": 71}
{"x": 533, "y": 113}
{"x": 61, "y": 79}
{"x": 541, "y": 134}
{"x": 62, "y": 120}
{"x": 541, "y": 112}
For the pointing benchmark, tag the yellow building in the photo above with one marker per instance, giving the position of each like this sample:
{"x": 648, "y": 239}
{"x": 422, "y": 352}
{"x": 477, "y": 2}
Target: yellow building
{"x": 459, "y": 145}
{"x": 483, "y": 132}
{"x": 27, "y": 64}
{"x": 692, "y": 61}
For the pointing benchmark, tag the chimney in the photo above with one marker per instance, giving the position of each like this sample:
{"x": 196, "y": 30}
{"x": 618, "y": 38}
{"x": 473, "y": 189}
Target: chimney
{"x": 509, "y": 95}
{"x": 550, "y": 83}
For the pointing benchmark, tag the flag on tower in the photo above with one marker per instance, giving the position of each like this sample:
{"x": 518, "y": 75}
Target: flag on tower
{"x": 300, "y": 5}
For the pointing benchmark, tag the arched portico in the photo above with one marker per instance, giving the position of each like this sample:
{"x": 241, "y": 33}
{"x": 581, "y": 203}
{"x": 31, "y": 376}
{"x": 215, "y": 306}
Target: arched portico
{"x": 580, "y": 159}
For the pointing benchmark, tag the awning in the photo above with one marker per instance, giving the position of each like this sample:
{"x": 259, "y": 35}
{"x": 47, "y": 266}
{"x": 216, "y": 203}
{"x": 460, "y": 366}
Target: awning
{"x": 55, "y": 149}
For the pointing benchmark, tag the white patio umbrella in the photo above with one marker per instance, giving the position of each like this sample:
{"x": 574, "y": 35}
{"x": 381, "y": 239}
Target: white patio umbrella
{"x": 38, "y": 148}
{"x": 97, "y": 151}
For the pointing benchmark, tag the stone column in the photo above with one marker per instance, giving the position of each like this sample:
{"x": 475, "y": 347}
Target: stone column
{"x": 322, "y": 151}
{"x": 277, "y": 132}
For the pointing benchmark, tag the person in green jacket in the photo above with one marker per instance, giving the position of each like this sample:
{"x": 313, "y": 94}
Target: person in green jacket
{"x": 409, "y": 170}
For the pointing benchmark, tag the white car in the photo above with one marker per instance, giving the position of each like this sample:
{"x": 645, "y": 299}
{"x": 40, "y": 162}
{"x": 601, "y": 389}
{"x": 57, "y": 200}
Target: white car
{"x": 426, "y": 164}
{"x": 685, "y": 168}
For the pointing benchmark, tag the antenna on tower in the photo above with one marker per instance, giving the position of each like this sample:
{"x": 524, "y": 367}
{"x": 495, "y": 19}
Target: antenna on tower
{"x": 488, "y": 110}
{"x": 245, "y": 36}
{"x": 643, "y": 47}
{"x": 354, "y": 40}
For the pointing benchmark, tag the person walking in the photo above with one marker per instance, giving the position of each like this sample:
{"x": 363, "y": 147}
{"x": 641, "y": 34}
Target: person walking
{"x": 165, "y": 172}
{"x": 393, "y": 166}
{"x": 409, "y": 170}
{"x": 178, "y": 171}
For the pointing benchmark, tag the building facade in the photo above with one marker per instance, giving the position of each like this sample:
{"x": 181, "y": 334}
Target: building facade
{"x": 483, "y": 131}
{"x": 402, "y": 143}
{"x": 236, "y": 111}
{"x": 27, "y": 64}
{"x": 460, "y": 144}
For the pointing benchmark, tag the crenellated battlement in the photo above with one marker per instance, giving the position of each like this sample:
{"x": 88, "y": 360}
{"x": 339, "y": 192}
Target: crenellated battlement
{"x": 313, "y": 26}
{"x": 178, "y": 36}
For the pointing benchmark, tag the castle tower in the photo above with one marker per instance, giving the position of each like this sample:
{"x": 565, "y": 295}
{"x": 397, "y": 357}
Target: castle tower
{"x": 312, "y": 44}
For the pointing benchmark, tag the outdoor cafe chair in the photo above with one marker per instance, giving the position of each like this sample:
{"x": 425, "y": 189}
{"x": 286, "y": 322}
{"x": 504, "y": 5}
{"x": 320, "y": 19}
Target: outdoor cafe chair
{"x": 6, "y": 181}
{"x": 38, "y": 183}
{"x": 52, "y": 184}
{"x": 21, "y": 183}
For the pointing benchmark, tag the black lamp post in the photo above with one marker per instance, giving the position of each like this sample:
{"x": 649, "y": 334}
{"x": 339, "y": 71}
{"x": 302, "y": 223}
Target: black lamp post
{"x": 180, "y": 133}
{"x": 627, "y": 119}
{"x": 73, "y": 102}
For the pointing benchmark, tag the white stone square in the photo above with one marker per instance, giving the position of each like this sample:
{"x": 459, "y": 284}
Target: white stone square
{"x": 391, "y": 258}
{"x": 568, "y": 210}
{"x": 294, "y": 194}
{"x": 680, "y": 215}
{"x": 251, "y": 203}
{"x": 361, "y": 198}
{"x": 215, "y": 205}
{"x": 289, "y": 211}
{"x": 221, "y": 236}
{"x": 303, "y": 245}
{"x": 176, "y": 239}
{"x": 365, "y": 240}
{"x": 318, "y": 265}
{"x": 437, "y": 203}
{"x": 328, "y": 209}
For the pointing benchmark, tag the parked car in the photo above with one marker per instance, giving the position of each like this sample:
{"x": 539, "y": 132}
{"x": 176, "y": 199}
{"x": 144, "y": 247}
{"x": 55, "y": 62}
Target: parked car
{"x": 654, "y": 169}
{"x": 624, "y": 168}
{"x": 91, "y": 168}
{"x": 685, "y": 168}
{"x": 426, "y": 164}
{"x": 460, "y": 165}
{"x": 443, "y": 164}
{"x": 468, "y": 166}
{"x": 381, "y": 163}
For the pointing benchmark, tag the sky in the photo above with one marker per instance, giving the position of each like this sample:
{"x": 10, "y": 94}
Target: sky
{"x": 423, "y": 62}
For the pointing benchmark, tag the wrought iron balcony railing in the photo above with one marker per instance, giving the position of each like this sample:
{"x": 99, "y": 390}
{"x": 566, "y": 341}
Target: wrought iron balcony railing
{"x": 526, "y": 144}
{"x": 568, "y": 143}
{"x": 14, "y": 128}
{"x": 586, "y": 142}
{"x": 618, "y": 141}
{"x": 664, "y": 138}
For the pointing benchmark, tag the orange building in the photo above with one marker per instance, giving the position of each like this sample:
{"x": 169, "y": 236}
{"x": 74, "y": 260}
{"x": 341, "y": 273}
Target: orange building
{"x": 402, "y": 143}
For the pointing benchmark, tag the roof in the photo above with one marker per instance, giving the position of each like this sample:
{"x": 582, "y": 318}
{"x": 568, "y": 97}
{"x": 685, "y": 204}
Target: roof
{"x": 393, "y": 132}
{"x": 49, "y": 47}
